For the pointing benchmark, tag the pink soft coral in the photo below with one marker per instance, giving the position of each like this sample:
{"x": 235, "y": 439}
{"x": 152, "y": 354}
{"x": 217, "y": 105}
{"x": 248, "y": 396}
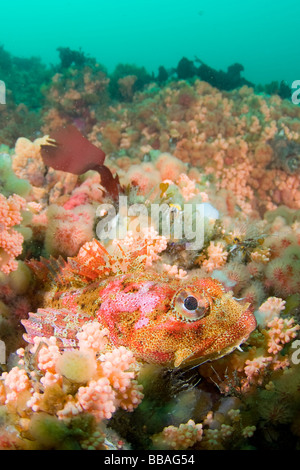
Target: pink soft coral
{"x": 281, "y": 331}
{"x": 179, "y": 438}
{"x": 97, "y": 398}
{"x": 217, "y": 256}
{"x": 27, "y": 162}
{"x": 15, "y": 381}
{"x": 106, "y": 376}
{"x": 187, "y": 187}
{"x": 147, "y": 240}
{"x": 68, "y": 230}
{"x": 270, "y": 309}
{"x": 10, "y": 240}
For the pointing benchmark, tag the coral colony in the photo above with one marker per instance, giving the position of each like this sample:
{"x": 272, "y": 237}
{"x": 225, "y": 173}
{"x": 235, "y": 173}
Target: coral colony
{"x": 149, "y": 260}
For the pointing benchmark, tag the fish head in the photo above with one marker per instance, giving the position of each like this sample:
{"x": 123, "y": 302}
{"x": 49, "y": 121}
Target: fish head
{"x": 210, "y": 322}
{"x": 172, "y": 323}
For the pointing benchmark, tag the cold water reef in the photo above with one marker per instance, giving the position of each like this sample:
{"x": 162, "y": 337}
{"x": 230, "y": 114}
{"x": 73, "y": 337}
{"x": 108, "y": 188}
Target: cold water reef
{"x": 171, "y": 141}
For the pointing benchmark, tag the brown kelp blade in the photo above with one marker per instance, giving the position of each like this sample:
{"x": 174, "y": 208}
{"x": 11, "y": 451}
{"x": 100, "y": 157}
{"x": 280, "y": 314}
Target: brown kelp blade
{"x": 68, "y": 150}
{"x": 110, "y": 183}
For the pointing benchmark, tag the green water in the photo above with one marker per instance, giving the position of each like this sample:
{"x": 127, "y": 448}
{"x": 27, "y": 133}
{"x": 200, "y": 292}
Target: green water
{"x": 263, "y": 35}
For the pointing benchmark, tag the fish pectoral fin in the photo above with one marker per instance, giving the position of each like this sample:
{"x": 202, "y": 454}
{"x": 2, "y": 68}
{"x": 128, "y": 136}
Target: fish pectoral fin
{"x": 61, "y": 323}
{"x": 182, "y": 355}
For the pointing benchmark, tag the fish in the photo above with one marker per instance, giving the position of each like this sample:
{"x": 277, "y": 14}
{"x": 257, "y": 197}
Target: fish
{"x": 286, "y": 154}
{"x": 163, "y": 320}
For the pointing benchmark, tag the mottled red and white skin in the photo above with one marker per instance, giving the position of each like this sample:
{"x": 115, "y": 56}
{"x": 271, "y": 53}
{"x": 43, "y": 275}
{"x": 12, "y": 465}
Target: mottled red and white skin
{"x": 161, "y": 319}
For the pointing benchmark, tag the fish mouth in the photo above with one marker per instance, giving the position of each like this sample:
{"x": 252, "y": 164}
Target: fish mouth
{"x": 236, "y": 335}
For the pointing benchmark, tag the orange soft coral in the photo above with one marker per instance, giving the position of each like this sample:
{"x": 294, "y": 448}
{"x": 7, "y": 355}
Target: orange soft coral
{"x": 107, "y": 377}
{"x": 10, "y": 240}
{"x": 217, "y": 256}
{"x": 27, "y": 162}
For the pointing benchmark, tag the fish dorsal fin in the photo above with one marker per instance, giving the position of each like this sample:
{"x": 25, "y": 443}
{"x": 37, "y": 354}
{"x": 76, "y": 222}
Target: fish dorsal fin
{"x": 92, "y": 262}
{"x": 128, "y": 260}
{"x": 52, "y": 269}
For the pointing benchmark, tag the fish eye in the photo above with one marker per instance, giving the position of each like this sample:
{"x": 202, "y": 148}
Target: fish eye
{"x": 190, "y": 307}
{"x": 190, "y": 302}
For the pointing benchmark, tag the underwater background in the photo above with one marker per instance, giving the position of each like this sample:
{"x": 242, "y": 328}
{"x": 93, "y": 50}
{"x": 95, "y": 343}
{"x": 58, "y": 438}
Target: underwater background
{"x": 261, "y": 35}
{"x": 147, "y": 341}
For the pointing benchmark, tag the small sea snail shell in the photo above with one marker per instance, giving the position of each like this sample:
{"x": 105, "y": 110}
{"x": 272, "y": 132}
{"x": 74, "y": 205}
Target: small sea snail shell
{"x": 190, "y": 307}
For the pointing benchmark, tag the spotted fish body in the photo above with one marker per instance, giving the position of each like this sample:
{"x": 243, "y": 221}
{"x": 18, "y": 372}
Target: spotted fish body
{"x": 161, "y": 319}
